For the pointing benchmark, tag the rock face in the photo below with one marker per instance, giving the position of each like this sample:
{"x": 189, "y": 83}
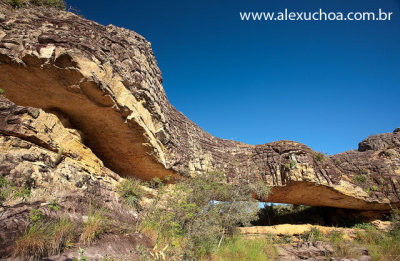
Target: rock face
{"x": 30, "y": 142}
{"x": 103, "y": 82}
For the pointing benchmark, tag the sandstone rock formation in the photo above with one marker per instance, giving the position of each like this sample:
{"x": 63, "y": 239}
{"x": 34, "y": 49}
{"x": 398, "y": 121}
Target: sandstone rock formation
{"x": 103, "y": 82}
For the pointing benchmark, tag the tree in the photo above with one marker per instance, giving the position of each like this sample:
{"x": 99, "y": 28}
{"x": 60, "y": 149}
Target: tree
{"x": 196, "y": 214}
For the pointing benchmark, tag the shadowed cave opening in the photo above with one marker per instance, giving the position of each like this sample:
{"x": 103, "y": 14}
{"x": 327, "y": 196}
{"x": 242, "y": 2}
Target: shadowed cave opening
{"x": 271, "y": 214}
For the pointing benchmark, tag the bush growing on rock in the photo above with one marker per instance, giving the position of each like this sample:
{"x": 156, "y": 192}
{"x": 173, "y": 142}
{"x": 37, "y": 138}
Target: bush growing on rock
{"x": 97, "y": 223}
{"x": 319, "y": 157}
{"x": 197, "y": 214}
{"x": 131, "y": 191}
{"x": 44, "y": 237}
{"x": 58, "y": 4}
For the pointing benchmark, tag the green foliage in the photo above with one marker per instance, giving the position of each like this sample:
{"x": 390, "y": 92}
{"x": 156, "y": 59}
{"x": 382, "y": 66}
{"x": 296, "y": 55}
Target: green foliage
{"x": 367, "y": 226}
{"x": 81, "y": 252}
{"x": 53, "y": 205}
{"x": 16, "y": 3}
{"x": 197, "y": 214}
{"x": 319, "y": 157}
{"x": 381, "y": 245}
{"x": 313, "y": 235}
{"x": 395, "y": 215}
{"x": 59, "y": 156}
{"x": 9, "y": 191}
{"x": 389, "y": 152}
{"x": 371, "y": 189}
{"x": 292, "y": 163}
{"x": 5, "y": 190}
{"x": 131, "y": 191}
{"x": 337, "y": 161}
{"x": 58, "y": 4}
{"x": 360, "y": 179}
{"x": 155, "y": 183}
{"x": 35, "y": 215}
{"x": 341, "y": 248}
{"x": 336, "y": 236}
{"x": 96, "y": 224}
{"x": 238, "y": 249}
{"x": 44, "y": 238}
{"x": 2, "y": 92}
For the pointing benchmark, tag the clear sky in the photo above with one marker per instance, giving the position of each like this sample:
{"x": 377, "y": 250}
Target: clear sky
{"x": 326, "y": 84}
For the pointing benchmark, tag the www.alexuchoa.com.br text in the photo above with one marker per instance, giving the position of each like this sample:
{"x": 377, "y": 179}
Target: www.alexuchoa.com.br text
{"x": 319, "y": 15}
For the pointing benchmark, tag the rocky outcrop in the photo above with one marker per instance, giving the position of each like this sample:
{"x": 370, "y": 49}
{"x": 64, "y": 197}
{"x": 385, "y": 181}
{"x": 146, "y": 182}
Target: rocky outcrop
{"x": 37, "y": 152}
{"x": 103, "y": 81}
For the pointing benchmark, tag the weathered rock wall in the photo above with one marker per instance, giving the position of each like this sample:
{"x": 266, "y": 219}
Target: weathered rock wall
{"x": 104, "y": 82}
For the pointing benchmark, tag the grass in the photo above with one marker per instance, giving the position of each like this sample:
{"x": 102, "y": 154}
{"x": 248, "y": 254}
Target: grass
{"x": 96, "y": 224}
{"x": 360, "y": 179}
{"x": 131, "y": 191}
{"x": 9, "y": 191}
{"x": 319, "y": 157}
{"x": 58, "y": 4}
{"x": 44, "y": 238}
{"x": 382, "y": 246}
{"x": 53, "y": 205}
{"x": 47, "y": 237}
{"x": 239, "y": 248}
{"x": 341, "y": 248}
{"x": 313, "y": 235}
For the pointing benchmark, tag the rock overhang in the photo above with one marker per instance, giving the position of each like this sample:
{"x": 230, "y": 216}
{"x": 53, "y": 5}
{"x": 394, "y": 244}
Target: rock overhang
{"x": 104, "y": 81}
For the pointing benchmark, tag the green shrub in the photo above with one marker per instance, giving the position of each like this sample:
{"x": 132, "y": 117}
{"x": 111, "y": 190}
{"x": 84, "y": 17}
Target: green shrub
{"x": 9, "y": 191}
{"x": 238, "y": 249}
{"x": 44, "y": 238}
{"x": 96, "y": 224}
{"x": 53, "y": 205}
{"x": 131, "y": 191}
{"x": 319, "y": 157}
{"x": 82, "y": 256}
{"x": 336, "y": 236}
{"x": 341, "y": 248}
{"x": 196, "y": 215}
{"x": 292, "y": 163}
{"x": 364, "y": 226}
{"x": 58, "y": 4}
{"x": 381, "y": 245}
{"x": 313, "y": 235}
{"x": 2, "y": 92}
{"x": 35, "y": 215}
{"x": 389, "y": 152}
{"x": 16, "y": 3}
{"x": 395, "y": 215}
{"x": 360, "y": 179}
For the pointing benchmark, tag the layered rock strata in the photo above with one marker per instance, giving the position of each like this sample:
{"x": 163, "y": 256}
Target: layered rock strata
{"x": 104, "y": 85}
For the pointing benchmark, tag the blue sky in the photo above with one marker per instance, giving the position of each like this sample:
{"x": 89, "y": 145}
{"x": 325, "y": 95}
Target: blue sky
{"x": 326, "y": 84}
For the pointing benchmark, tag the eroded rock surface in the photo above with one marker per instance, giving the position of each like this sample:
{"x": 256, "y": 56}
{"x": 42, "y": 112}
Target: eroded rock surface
{"x": 104, "y": 82}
